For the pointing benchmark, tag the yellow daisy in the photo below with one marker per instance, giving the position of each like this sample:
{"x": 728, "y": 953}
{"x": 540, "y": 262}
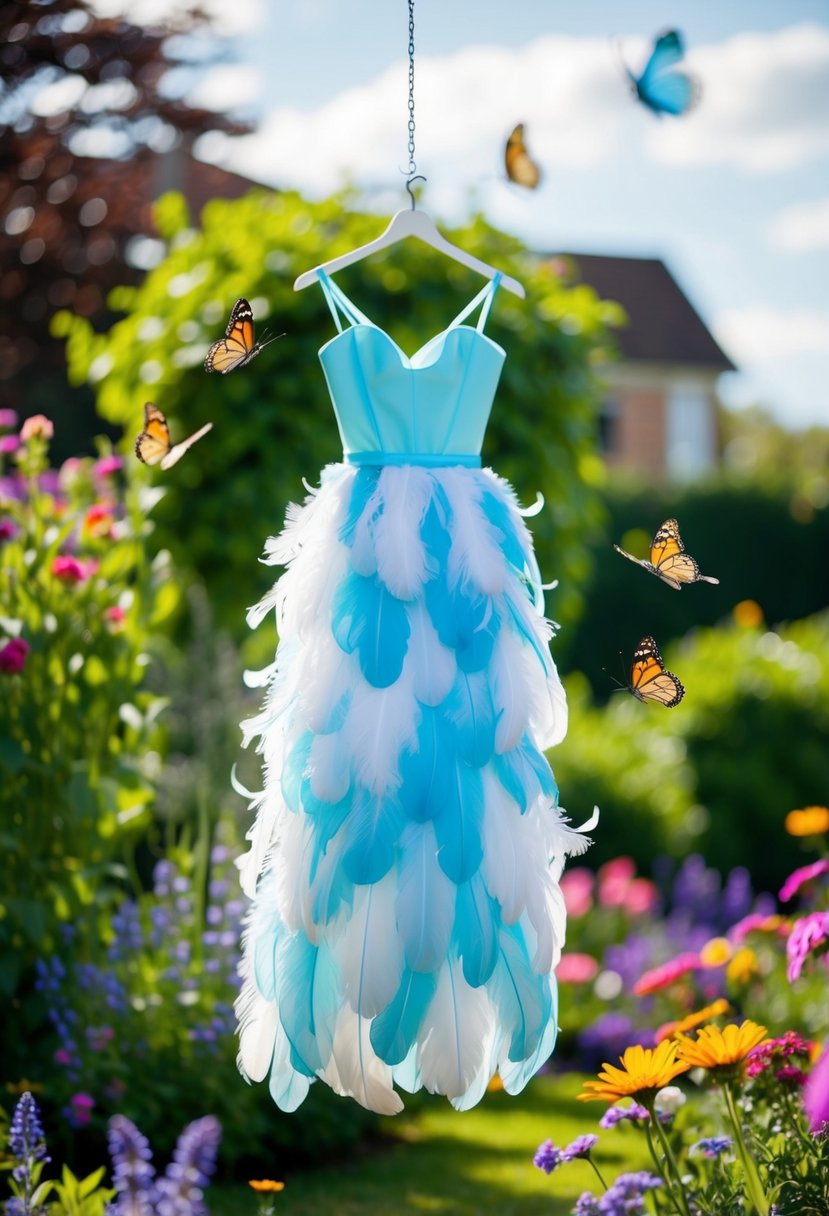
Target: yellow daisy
{"x": 720, "y": 1049}
{"x": 715, "y": 1010}
{"x": 716, "y": 952}
{"x": 743, "y": 966}
{"x": 642, "y": 1075}
{"x": 266, "y": 1186}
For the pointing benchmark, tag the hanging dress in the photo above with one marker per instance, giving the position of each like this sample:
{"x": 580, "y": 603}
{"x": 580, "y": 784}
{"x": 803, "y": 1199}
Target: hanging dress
{"x": 407, "y": 846}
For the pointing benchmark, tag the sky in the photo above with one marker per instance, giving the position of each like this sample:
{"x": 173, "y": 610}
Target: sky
{"x": 734, "y": 196}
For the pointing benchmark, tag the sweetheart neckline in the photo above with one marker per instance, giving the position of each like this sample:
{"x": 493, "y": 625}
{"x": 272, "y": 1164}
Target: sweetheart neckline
{"x": 407, "y": 360}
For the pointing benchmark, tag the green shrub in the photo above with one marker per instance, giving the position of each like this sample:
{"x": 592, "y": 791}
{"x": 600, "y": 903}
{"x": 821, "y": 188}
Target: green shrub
{"x": 272, "y": 420}
{"x": 711, "y": 775}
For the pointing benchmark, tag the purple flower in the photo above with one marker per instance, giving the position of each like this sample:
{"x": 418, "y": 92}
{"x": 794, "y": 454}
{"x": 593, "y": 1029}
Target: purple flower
{"x": 132, "y": 1172}
{"x": 194, "y": 1160}
{"x": 547, "y": 1157}
{"x": 816, "y": 1095}
{"x": 218, "y": 854}
{"x": 626, "y": 1197}
{"x": 587, "y": 1205}
{"x": 617, "y": 1114}
{"x": 807, "y": 935}
{"x": 8, "y": 419}
{"x": 800, "y": 877}
{"x": 79, "y": 1110}
{"x": 712, "y": 1146}
{"x": 580, "y": 1147}
{"x": 8, "y": 529}
{"x": 26, "y": 1139}
{"x": 214, "y": 914}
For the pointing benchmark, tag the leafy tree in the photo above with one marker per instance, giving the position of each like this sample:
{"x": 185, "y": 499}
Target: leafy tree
{"x": 273, "y": 422}
{"x": 85, "y": 127}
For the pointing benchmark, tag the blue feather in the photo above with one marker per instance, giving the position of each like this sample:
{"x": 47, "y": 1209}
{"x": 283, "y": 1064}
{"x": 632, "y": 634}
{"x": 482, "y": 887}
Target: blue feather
{"x": 264, "y": 959}
{"x": 288, "y": 1088}
{"x": 477, "y": 628}
{"x": 476, "y": 931}
{"x": 525, "y": 774}
{"x": 458, "y": 823}
{"x": 524, "y": 998}
{"x": 326, "y": 819}
{"x": 365, "y": 483}
{"x": 516, "y": 1075}
{"x": 295, "y": 965}
{"x": 498, "y": 515}
{"x": 470, "y": 715}
{"x": 394, "y": 1031}
{"x": 425, "y": 773}
{"x": 369, "y": 619}
{"x": 370, "y": 837}
{"x": 293, "y": 770}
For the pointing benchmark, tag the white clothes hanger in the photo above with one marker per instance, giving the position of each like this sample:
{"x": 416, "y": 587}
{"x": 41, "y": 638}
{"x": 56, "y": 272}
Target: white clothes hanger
{"x": 410, "y": 223}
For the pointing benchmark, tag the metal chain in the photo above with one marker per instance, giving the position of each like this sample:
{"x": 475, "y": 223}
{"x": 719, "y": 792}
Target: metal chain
{"x": 412, "y": 165}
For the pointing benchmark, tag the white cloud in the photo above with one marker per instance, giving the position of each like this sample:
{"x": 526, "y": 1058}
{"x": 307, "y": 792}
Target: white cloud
{"x": 802, "y": 227}
{"x": 226, "y": 87}
{"x": 762, "y": 334}
{"x": 763, "y": 105}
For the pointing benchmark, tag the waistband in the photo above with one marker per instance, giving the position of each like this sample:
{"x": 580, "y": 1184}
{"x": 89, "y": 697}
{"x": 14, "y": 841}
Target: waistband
{"x": 429, "y": 460}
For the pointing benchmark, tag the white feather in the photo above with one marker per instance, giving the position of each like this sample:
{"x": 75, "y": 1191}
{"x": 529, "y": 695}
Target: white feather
{"x": 475, "y": 555}
{"x": 257, "y": 1020}
{"x": 510, "y": 692}
{"x": 381, "y": 722}
{"x": 433, "y": 665}
{"x": 354, "y": 1069}
{"x": 401, "y": 555}
{"x": 330, "y": 772}
{"x": 288, "y": 1087}
{"x": 363, "y": 554}
{"x": 328, "y": 674}
{"x": 505, "y": 862}
{"x": 455, "y": 1032}
{"x": 368, "y": 952}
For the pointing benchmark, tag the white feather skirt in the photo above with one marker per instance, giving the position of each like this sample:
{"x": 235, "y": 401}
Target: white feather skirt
{"x": 407, "y": 846}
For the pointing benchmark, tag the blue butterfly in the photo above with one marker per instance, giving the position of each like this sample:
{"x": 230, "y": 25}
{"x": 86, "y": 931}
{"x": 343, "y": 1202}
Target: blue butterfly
{"x": 661, "y": 90}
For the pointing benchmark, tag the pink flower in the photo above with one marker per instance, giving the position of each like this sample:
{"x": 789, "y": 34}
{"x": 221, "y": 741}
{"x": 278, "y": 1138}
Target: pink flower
{"x": 8, "y": 419}
{"x": 8, "y": 444}
{"x": 808, "y": 935}
{"x": 662, "y": 977}
{"x": 758, "y": 922}
{"x": 799, "y": 878}
{"x": 13, "y": 656}
{"x": 107, "y": 465}
{"x": 641, "y": 897}
{"x": 115, "y": 617}
{"x": 100, "y": 1037}
{"x": 816, "y": 1094}
{"x": 70, "y": 570}
{"x": 576, "y": 969}
{"x": 614, "y": 879}
{"x": 80, "y": 1109}
{"x": 577, "y": 889}
{"x": 98, "y": 519}
{"x": 8, "y": 529}
{"x": 38, "y": 426}
{"x": 62, "y": 1056}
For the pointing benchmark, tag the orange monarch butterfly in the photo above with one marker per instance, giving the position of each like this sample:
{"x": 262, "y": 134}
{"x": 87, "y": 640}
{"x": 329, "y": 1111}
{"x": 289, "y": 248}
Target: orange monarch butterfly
{"x": 669, "y": 561}
{"x": 649, "y": 681}
{"x": 153, "y": 444}
{"x": 520, "y": 166}
{"x": 238, "y": 346}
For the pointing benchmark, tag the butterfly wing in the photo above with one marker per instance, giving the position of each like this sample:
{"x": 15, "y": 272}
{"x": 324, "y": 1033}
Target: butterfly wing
{"x": 638, "y": 560}
{"x": 177, "y": 450}
{"x": 670, "y": 560}
{"x": 153, "y": 444}
{"x": 520, "y": 166}
{"x": 238, "y": 345}
{"x": 662, "y": 90}
{"x": 649, "y": 681}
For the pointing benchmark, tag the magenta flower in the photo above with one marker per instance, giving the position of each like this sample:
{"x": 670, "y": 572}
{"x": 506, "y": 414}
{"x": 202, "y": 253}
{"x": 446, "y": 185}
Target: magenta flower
{"x": 799, "y": 878}
{"x": 808, "y": 935}
{"x": 8, "y": 419}
{"x": 38, "y": 426}
{"x": 107, "y": 465}
{"x": 80, "y": 1109}
{"x": 70, "y": 570}
{"x": 13, "y": 656}
{"x": 8, "y": 529}
{"x": 662, "y": 977}
{"x": 8, "y": 444}
{"x": 62, "y": 1056}
{"x": 816, "y": 1095}
{"x": 577, "y": 889}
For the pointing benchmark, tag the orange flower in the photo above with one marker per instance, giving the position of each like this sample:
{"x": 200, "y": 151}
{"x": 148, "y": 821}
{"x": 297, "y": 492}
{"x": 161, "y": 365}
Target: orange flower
{"x": 810, "y": 821}
{"x": 266, "y": 1186}
{"x": 720, "y": 1049}
{"x": 495, "y": 1084}
{"x": 642, "y": 1074}
{"x": 715, "y": 1010}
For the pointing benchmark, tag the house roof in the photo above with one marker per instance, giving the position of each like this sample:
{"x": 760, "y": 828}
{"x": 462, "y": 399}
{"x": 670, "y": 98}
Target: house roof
{"x": 663, "y": 327}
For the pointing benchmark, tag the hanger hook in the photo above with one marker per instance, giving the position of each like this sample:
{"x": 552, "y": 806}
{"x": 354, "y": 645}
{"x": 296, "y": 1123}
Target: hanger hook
{"x": 418, "y": 177}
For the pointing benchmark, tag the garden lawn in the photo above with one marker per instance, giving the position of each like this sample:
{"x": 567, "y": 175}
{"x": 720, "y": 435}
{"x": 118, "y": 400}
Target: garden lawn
{"x": 459, "y": 1164}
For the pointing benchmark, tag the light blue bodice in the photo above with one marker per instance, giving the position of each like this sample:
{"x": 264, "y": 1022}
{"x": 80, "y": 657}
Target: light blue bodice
{"x": 431, "y": 408}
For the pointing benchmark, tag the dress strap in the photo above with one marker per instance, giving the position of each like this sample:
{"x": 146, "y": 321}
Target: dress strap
{"x": 485, "y": 296}
{"x": 338, "y": 302}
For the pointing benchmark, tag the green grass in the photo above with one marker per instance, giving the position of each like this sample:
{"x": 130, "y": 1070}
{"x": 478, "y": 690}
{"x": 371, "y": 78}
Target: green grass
{"x": 457, "y": 1164}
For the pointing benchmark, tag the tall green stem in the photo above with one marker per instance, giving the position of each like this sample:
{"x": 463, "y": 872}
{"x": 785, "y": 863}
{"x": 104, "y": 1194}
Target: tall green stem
{"x": 663, "y": 1172}
{"x": 673, "y": 1165}
{"x": 754, "y": 1186}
